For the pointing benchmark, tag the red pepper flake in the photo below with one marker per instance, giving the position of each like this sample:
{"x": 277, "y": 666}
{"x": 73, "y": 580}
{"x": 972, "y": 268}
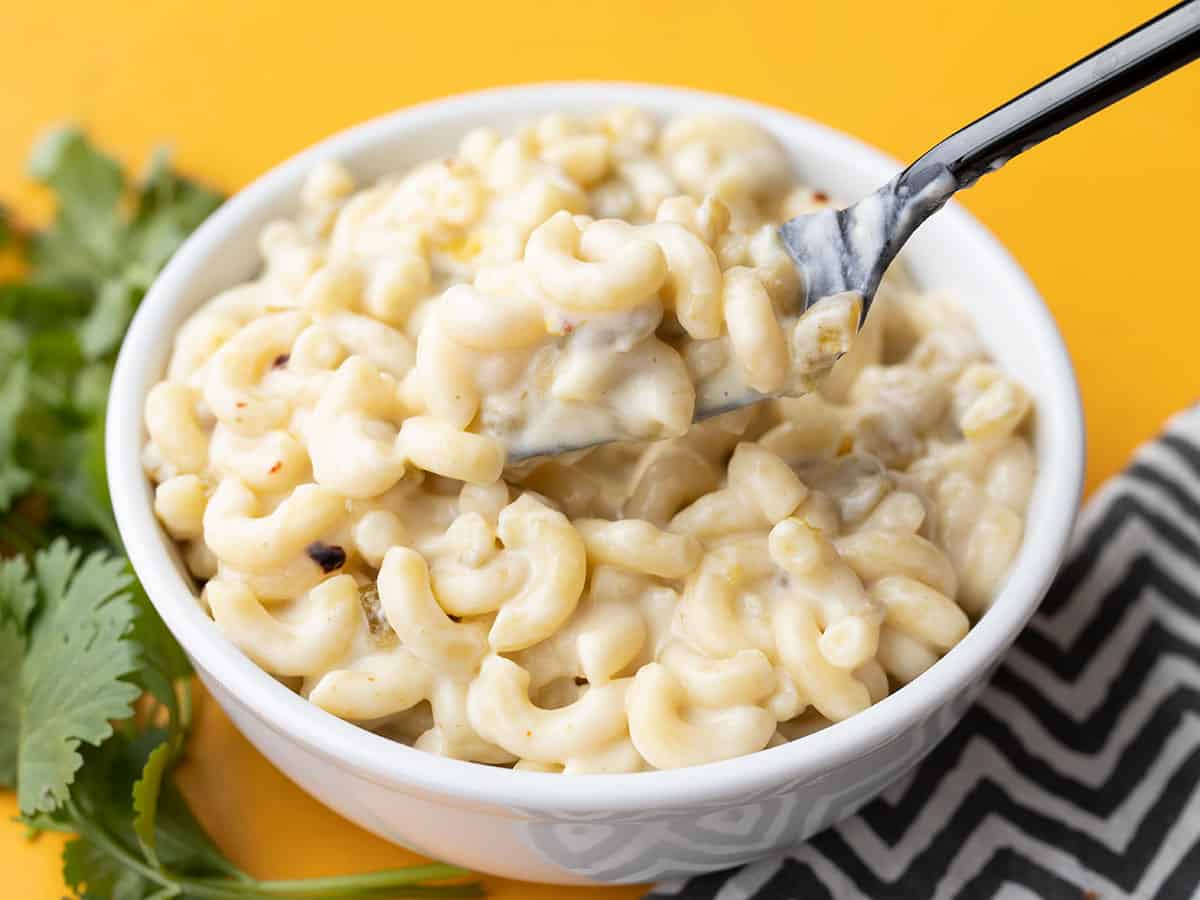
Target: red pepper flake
{"x": 568, "y": 327}
{"x": 820, "y": 197}
{"x": 281, "y": 360}
{"x": 275, "y": 468}
{"x": 240, "y": 404}
{"x": 328, "y": 556}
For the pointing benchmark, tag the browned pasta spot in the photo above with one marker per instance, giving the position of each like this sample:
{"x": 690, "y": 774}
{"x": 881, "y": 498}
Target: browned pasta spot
{"x": 328, "y": 556}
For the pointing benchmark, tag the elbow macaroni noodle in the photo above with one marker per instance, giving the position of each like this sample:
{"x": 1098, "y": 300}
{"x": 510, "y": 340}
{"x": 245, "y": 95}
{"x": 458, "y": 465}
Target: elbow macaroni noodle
{"x": 324, "y": 448}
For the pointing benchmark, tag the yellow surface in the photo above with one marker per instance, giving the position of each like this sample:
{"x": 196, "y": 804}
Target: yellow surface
{"x": 1102, "y": 217}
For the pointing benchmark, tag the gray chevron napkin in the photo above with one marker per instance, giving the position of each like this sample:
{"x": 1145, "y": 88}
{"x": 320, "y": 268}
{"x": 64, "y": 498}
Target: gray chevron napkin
{"x": 1076, "y": 774}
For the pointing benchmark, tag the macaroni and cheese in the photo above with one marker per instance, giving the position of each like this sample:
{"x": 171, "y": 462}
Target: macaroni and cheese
{"x": 329, "y": 451}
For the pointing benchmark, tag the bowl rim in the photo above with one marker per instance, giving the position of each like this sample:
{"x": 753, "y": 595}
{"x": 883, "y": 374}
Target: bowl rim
{"x": 390, "y": 764}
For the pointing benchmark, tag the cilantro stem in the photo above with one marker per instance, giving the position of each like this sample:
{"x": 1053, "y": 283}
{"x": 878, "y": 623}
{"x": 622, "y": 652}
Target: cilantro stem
{"x": 34, "y": 828}
{"x": 351, "y": 885}
{"x": 327, "y": 889}
{"x": 392, "y": 882}
{"x": 470, "y": 889}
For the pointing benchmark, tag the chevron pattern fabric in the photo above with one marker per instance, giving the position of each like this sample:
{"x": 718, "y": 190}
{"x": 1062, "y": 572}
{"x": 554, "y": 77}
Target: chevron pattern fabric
{"x": 1076, "y": 774}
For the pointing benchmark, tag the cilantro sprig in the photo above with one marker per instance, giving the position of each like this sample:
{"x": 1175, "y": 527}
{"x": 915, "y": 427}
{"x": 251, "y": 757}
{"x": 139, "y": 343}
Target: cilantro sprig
{"x": 95, "y": 694}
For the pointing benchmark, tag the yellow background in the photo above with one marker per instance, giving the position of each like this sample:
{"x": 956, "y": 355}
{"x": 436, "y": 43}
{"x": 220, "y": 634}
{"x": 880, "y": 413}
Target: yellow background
{"x": 1103, "y": 217}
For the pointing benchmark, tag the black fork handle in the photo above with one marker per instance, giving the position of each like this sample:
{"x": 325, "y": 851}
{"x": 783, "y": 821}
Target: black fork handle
{"x": 1161, "y": 45}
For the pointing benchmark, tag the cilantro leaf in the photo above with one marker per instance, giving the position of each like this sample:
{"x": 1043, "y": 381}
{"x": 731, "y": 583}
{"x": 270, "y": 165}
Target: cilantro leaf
{"x": 94, "y": 246}
{"x": 82, "y": 246}
{"x": 89, "y": 395}
{"x": 165, "y": 667}
{"x": 93, "y": 873}
{"x": 115, "y": 835}
{"x": 82, "y": 626}
{"x": 182, "y": 844}
{"x": 89, "y": 183}
{"x": 137, "y": 834}
{"x": 101, "y": 331}
{"x": 37, "y": 307}
{"x": 80, "y": 490}
{"x": 145, "y": 798}
{"x": 108, "y": 789}
{"x": 18, "y": 596}
{"x": 61, "y": 327}
{"x": 12, "y": 649}
{"x": 168, "y": 209}
{"x": 14, "y": 478}
{"x": 18, "y": 593}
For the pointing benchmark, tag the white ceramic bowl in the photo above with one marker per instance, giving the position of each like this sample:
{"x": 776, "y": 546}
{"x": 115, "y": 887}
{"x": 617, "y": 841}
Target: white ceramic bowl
{"x": 600, "y": 828}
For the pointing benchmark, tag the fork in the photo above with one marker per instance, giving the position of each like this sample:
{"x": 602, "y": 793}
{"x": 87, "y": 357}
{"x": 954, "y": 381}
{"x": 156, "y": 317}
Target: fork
{"x": 850, "y": 249}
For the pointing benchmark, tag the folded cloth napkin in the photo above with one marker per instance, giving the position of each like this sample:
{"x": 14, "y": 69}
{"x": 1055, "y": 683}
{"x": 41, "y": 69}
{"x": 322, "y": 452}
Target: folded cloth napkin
{"x": 1076, "y": 774}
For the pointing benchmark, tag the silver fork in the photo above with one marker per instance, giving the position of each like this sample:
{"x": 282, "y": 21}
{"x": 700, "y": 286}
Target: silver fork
{"x": 850, "y": 249}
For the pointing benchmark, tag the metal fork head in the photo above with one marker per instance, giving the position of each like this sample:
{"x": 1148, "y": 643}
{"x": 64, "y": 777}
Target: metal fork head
{"x": 850, "y": 249}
